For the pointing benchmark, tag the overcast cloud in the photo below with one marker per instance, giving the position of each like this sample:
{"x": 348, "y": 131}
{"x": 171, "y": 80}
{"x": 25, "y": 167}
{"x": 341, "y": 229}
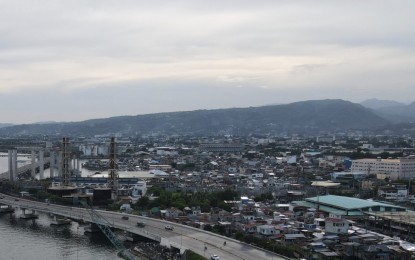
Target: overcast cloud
{"x": 75, "y": 60}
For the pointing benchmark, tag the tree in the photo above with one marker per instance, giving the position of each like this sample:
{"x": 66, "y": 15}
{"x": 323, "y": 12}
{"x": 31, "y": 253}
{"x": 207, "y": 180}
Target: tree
{"x": 143, "y": 202}
{"x": 207, "y": 227}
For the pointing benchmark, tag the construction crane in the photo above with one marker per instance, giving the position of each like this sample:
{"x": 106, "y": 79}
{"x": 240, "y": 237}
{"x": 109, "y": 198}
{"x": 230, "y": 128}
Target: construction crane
{"x": 112, "y": 172}
{"x": 103, "y": 225}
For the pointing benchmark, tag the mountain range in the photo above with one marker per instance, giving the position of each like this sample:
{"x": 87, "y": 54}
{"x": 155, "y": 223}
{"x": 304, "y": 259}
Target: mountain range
{"x": 311, "y": 116}
{"x": 392, "y": 111}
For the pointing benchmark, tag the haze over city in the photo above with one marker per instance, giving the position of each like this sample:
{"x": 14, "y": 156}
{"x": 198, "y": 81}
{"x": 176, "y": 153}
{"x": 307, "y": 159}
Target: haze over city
{"x": 71, "y": 61}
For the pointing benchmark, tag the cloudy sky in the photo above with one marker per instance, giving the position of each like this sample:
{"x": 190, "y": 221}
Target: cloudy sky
{"x": 75, "y": 60}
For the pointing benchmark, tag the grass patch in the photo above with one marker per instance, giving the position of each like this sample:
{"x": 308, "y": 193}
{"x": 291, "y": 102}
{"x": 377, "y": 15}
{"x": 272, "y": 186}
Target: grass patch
{"x": 190, "y": 255}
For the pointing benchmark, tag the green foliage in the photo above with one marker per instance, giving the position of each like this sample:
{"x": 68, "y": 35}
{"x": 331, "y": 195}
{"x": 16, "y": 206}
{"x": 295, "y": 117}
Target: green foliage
{"x": 239, "y": 235}
{"x": 190, "y": 255}
{"x": 286, "y": 250}
{"x": 181, "y": 200}
{"x": 33, "y": 191}
{"x": 219, "y": 229}
{"x": 112, "y": 206}
{"x": 207, "y": 227}
{"x": 42, "y": 195}
{"x": 143, "y": 202}
{"x": 264, "y": 197}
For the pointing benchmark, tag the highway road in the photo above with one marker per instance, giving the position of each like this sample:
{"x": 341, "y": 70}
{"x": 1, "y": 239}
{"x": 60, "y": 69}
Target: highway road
{"x": 183, "y": 237}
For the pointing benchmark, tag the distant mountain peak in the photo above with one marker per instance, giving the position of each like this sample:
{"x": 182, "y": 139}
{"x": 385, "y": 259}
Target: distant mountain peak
{"x": 375, "y": 103}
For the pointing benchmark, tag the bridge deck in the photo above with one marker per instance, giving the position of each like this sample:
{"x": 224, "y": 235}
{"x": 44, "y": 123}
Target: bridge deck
{"x": 182, "y": 237}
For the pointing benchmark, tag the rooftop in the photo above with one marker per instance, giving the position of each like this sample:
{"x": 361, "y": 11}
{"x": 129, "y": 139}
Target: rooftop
{"x": 347, "y": 203}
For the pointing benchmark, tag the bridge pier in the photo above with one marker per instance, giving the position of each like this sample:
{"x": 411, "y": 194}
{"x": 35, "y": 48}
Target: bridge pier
{"x": 52, "y": 164}
{"x": 12, "y": 165}
{"x": 28, "y": 170}
{"x": 92, "y": 228}
{"x": 33, "y": 170}
{"x": 41, "y": 165}
{"x": 32, "y": 215}
{"x": 60, "y": 221}
{"x": 60, "y": 158}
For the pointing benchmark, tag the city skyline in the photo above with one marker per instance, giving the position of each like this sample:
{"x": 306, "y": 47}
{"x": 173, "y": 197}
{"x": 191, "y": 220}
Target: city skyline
{"x": 62, "y": 61}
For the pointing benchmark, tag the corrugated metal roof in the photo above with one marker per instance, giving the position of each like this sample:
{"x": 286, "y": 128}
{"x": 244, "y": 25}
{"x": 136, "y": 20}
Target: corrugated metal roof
{"x": 347, "y": 203}
{"x": 322, "y": 208}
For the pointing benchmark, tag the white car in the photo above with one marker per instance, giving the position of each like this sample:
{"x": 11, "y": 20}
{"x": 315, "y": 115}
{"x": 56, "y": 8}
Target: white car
{"x": 214, "y": 257}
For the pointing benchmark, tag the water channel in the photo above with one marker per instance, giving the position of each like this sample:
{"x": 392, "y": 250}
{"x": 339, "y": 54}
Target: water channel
{"x": 27, "y": 240}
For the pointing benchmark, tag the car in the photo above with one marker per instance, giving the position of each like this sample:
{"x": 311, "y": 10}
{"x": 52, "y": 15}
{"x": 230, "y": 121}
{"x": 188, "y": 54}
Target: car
{"x": 16, "y": 199}
{"x": 124, "y": 217}
{"x": 168, "y": 227}
{"x": 141, "y": 224}
{"x": 214, "y": 257}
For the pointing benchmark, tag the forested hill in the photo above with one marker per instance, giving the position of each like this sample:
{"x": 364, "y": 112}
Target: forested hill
{"x": 298, "y": 117}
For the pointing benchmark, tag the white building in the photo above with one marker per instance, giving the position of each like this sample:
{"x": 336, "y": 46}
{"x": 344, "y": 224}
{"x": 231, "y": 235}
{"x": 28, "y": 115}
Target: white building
{"x": 336, "y": 226}
{"x": 401, "y": 168}
{"x": 394, "y": 192}
{"x": 266, "y": 230}
{"x": 139, "y": 189}
{"x": 166, "y": 151}
{"x": 94, "y": 149}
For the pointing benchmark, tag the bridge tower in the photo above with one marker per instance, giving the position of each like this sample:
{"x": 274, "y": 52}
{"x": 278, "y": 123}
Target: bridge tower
{"x": 66, "y": 157}
{"x": 41, "y": 164}
{"x": 112, "y": 171}
{"x": 12, "y": 158}
{"x": 38, "y": 152}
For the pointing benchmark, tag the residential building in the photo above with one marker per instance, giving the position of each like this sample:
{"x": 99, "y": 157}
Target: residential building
{"x": 266, "y": 230}
{"x": 336, "y": 226}
{"x": 395, "y": 169}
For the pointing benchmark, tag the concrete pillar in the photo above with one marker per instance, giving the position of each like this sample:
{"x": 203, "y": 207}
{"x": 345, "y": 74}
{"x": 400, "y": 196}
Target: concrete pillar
{"x": 41, "y": 165}
{"x": 78, "y": 166}
{"x": 52, "y": 164}
{"x": 10, "y": 160}
{"x": 13, "y": 177}
{"x": 33, "y": 170}
{"x": 60, "y": 163}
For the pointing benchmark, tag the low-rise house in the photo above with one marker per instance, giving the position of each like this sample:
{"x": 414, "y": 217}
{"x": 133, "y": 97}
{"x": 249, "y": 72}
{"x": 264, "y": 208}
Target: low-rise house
{"x": 173, "y": 212}
{"x": 249, "y": 228}
{"x": 293, "y": 238}
{"x": 310, "y": 226}
{"x": 394, "y": 192}
{"x": 196, "y": 211}
{"x": 336, "y": 226}
{"x": 248, "y": 218}
{"x": 266, "y": 230}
